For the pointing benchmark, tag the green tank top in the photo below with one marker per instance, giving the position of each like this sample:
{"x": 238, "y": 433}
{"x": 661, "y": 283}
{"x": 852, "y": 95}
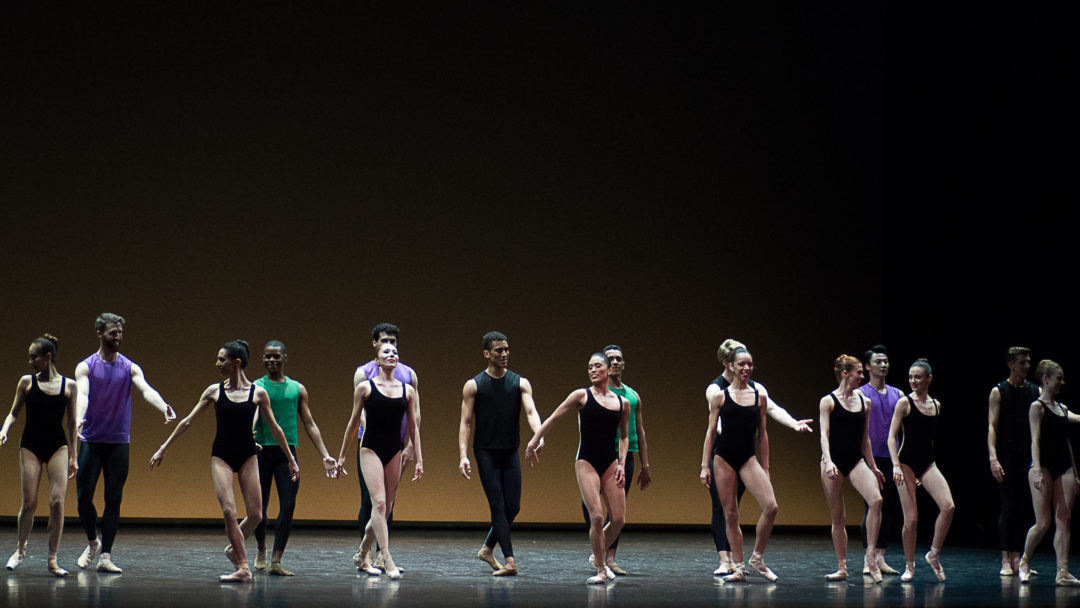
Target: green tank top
{"x": 285, "y": 403}
{"x": 631, "y": 397}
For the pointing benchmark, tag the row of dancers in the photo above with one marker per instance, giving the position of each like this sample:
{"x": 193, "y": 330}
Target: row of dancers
{"x": 94, "y": 412}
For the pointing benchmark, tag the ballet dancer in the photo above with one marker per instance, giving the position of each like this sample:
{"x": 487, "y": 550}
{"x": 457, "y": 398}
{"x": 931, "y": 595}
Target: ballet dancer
{"x": 725, "y": 355}
{"x": 598, "y": 466}
{"x": 913, "y": 464}
{"x": 492, "y": 402}
{"x": 1053, "y": 472}
{"x": 103, "y": 420}
{"x": 1008, "y": 441}
{"x": 384, "y": 401}
{"x": 883, "y": 398}
{"x": 846, "y": 453}
{"x": 732, "y": 453}
{"x": 289, "y": 401}
{"x": 49, "y": 400}
{"x": 236, "y": 401}
{"x": 638, "y": 444}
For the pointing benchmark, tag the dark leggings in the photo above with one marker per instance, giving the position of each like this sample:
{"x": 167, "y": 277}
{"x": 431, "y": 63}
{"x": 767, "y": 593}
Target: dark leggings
{"x": 95, "y": 459}
{"x": 274, "y": 467}
{"x": 500, "y": 475}
{"x": 364, "y": 515}
{"x": 628, "y": 476}
{"x": 891, "y": 512}
{"x": 1017, "y": 512}
{"x": 719, "y": 524}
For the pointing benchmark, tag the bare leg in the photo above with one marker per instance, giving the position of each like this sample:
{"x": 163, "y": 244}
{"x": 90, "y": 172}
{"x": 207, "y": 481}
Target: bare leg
{"x": 838, "y": 516}
{"x": 616, "y": 503}
{"x": 223, "y": 488}
{"x": 1041, "y": 500}
{"x": 382, "y": 484}
{"x": 725, "y": 480}
{"x": 1064, "y": 498}
{"x": 867, "y": 485}
{"x": 911, "y": 521}
{"x": 757, "y": 481}
{"x": 590, "y": 486}
{"x": 57, "y": 490}
{"x": 31, "y": 478}
{"x": 934, "y": 483}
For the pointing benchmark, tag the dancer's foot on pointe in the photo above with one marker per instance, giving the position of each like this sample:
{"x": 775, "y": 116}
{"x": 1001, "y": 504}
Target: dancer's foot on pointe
{"x": 601, "y": 576}
{"x": 875, "y": 574}
{"x": 16, "y": 558}
{"x": 388, "y": 565}
{"x": 1065, "y": 579}
{"x": 487, "y": 555}
{"x": 55, "y": 569}
{"x": 933, "y": 559}
{"x": 1024, "y": 571}
{"x": 508, "y": 569}
{"x": 277, "y": 569}
{"x": 362, "y": 559}
{"x": 260, "y": 558}
{"x": 757, "y": 562}
{"x": 106, "y": 565}
{"x": 725, "y": 568}
{"x": 882, "y": 566}
{"x": 738, "y": 574}
{"x": 86, "y": 559}
{"x": 909, "y": 572}
{"x": 839, "y": 575}
{"x": 242, "y": 575}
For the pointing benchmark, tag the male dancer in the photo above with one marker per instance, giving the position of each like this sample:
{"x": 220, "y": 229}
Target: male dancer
{"x": 288, "y": 399}
{"x": 103, "y": 415}
{"x": 636, "y": 433}
{"x": 883, "y": 400}
{"x": 492, "y": 402}
{"x": 1009, "y": 443}
{"x": 383, "y": 333}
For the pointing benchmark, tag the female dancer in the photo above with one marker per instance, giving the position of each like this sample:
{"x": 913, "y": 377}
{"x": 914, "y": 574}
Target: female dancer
{"x": 49, "y": 399}
{"x": 600, "y": 470}
{"x": 236, "y": 401}
{"x": 846, "y": 452}
{"x": 1053, "y": 472}
{"x": 726, "y": 354}
{"x": 380, "y": 450}
{"x": 733, "y": 454}
{"x": 914, "y": 462}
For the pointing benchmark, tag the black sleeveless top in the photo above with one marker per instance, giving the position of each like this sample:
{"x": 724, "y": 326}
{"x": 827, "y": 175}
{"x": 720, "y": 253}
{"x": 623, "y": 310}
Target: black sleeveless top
{"x": 1054, "y": 454}
{"x": 1013, "y": 430}
{"x": 497, "y": 412}
{"x": 44, "y": 417}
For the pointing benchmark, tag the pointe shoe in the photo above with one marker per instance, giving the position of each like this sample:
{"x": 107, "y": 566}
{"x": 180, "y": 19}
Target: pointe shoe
{"x": 394, "y": 574}
{"x": 932, "y": 558}
{"x": 757, "y": 563}
{"x": 505, "y": 571}
{"x": 277, "y": 569}
{"x": 1024, "y": 572}
{"x": 106, "y": 565}
{"x": 839, "y": 575}
{"x": 875, "y": 574}
{"x": 598, "y": 579}
{"x": 885, "y": 568}
{"x": 260, "y": 558}
{"x": 737, "y": 576}
{"x": 362, "y": 559}
{"x": 1007, "y": 569}
{"x": 1065, "y": 579}
{"x": 488, "y": 557}
{"x": 616, "y": 568}
{"x": 909, "y": 573}
{"x": 16, "y": 559}
{"x": 242, "y": 575}
{"x": 86, "y": 558}
{"x": 725, "y": 568}
{"x": 55, "y": 569}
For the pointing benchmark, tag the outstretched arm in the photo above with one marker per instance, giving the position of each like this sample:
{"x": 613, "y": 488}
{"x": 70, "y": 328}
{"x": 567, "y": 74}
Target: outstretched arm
{"x": 572, "y": 402}
{"x": 149, "y": 394}
{"x": 207, "y": 399}
{"x": 782, "y": 416}
{"x": 313, "y": 433}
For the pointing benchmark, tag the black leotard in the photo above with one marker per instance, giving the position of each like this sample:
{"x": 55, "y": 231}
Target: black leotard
{"x": 598, "y": 427}
{"x": 917, "y": 446}
{"x": 234, "y": 442}
{"x": 44, "y": 430}
{"x": 1054, "y": 454}
{"x": 739, "y": 423}
{"x": 845, "y": 435}
{"x": 382, "y": 433}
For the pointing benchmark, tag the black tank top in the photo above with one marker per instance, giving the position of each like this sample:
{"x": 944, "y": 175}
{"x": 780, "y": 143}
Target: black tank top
{"x": 384, "y": 415}
{"x": 235, "y": 420}
{"x": 1054, "y": 441}
{"x": 739, "y": 424}
{"x": 44, "y": 412}
{"x": 846, "y": 428}
{"x": 919, "y": 430}
{"x": 598, "y": 426}
{"x": 1013, "y": 430}
{"x": 497, "y": 412}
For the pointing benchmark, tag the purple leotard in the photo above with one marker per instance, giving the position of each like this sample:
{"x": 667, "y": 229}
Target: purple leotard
{"x": 108, "y": 412}
{"x": 404, "y": 374}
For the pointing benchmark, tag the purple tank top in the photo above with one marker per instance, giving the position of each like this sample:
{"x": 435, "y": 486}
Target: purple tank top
{"x": 881, "y": 411}
{"x": 404, "y": 374}
{"x": 108, "y": 410}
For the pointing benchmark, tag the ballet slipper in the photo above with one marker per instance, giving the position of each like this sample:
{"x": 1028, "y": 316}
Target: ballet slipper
{"x": 909, "y": 573}
{"x": 277, "y": 569}
{"x": 1024, "y": 572}
{"x": 882, "y": 566}
{"x": 839, "y": 575}
{"x": 487, "y": 556}
{"x": 86, "y": 558}
{"x": 242, "y": 575}
{"x": 506, "y": 571}
{"x": 757, "y": 562}
{"x": 738, "y": 576}
{"x": 394, "y": 574}
{"x": 16, "y": 558}
{"x": 1065, "y": 579}
{"x": 619, "y": 571}
{"x": 260, "y": 559}
{"x": 933, "y": 558}
{"x": 1007, "y": 569}
{"x": 55, "y": 569}
{"x": 106, "y": 565}
{"x": 725, "y": 568}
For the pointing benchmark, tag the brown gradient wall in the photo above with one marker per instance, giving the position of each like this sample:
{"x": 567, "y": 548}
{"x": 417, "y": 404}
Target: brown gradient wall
{"x": 658, "y": 181}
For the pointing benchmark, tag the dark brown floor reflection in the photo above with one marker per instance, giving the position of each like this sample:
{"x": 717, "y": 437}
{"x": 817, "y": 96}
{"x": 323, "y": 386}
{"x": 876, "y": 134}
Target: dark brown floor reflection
{"x": 166, "y": 567}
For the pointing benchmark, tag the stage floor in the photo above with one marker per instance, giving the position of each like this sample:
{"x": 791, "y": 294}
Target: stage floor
{"x": 167, "y": 566}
